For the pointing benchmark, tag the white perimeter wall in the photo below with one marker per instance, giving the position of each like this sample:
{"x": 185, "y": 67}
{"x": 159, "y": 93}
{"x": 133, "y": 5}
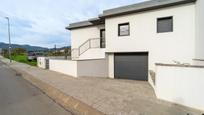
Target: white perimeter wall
{"x": 182, "y": 85}
{"x": 86, "y": 68}
{"x": 178, "y": 45}
{"x": 199, "y": 29}
{"x": 67, "y": 67}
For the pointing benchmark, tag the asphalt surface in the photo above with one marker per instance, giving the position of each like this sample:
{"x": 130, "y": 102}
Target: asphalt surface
{"x": 19, "y": 97}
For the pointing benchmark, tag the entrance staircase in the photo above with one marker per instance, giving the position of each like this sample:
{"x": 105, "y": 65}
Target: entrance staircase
{"x": 89, "y": 44}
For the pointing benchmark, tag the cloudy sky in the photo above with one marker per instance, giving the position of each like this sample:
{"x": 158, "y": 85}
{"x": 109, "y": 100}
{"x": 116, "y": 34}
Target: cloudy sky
{"x": 42, "y": 22}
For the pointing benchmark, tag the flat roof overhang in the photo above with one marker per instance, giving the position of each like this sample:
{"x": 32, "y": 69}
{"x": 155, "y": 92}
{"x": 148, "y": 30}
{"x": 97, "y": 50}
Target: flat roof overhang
{"x": 90, "y": 22}
{"x": 143, "y": 6}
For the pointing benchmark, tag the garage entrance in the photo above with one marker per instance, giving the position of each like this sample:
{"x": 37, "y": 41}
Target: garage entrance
{"x": 132, "y": 66}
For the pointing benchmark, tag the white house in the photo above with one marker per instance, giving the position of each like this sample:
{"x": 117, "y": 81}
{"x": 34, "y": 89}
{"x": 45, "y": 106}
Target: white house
{"x": 140, "y": 35}
{"x": 140, "y": 42}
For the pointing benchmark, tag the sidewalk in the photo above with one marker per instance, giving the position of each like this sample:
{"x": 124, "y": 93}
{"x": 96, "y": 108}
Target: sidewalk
{"x": 113, "y": 97}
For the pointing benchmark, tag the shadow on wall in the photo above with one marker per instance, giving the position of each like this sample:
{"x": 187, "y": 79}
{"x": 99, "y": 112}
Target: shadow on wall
{"x": 177, "y": 109}
{"x": 153, "y": 75}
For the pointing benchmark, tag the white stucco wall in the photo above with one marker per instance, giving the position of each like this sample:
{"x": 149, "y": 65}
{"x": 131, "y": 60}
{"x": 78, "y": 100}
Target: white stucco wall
{"x": 111, "y": 65}
{"x": 182, "y": 85}
{"x": 81, "y": 35}
{"x": 67, "y": 67}
{"x": 199, "y": 29}
{"x": 95, "y": 53}
{"x": 198, "y": 62}
{"x": 178, "y": 45}
{"x": 41, "y": 62}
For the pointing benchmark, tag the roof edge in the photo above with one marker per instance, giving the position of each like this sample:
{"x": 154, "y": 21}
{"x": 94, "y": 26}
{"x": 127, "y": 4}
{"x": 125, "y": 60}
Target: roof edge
{"x": 86, "y": 23}
{"x": 134, "y": 8}
{"x": 80, "y": 24}
{"x": 153, "y": 7}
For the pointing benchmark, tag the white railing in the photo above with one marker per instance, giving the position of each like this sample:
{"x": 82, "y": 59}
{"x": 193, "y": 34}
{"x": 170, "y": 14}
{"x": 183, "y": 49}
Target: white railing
{"x": 90, "y": 43}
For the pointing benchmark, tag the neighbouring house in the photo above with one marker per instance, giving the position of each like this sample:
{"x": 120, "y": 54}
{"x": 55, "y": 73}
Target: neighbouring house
{"x": 159, "y": 41}
{"x": 62, "y": 50}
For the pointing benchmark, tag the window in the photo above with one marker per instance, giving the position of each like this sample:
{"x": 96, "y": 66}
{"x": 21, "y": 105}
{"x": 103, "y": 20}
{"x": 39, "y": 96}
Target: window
{"x": 102, "y": 38}
{"x": 165, "y": 24}
{"x": 124, "y": 29}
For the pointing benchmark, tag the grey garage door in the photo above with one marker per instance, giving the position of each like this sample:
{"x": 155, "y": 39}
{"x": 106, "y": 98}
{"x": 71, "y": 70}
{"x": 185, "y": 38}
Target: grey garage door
{"x": 131, "y": 66}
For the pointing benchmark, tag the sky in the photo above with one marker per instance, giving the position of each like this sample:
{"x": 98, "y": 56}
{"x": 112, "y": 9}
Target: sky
{"x": 43, "y": 22}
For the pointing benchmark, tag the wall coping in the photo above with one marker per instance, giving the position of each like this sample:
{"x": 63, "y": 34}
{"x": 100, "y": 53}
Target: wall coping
{"x": 179, "y": 65}
{"x": 198, "y": 59}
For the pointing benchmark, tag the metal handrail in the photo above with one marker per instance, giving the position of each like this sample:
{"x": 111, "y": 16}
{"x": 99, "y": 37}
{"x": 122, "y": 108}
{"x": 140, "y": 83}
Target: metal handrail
{"x": 85, "y": 43}
{"x": 80, "y": 53}
{"x": 89, "y": 44}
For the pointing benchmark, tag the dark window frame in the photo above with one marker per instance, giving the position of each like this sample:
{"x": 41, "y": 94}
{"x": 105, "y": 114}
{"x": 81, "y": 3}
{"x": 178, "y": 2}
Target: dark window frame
{"x": 163, "y": 18}
{"x": 124, "y": 24}
{"x": 101, "y": 31}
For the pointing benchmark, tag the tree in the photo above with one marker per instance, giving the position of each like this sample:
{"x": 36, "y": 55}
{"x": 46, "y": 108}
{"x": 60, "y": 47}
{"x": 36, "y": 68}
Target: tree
{"x": 67, "y": 51}
{"x": 18, "y": 51}
{"x": 5, "y": 52}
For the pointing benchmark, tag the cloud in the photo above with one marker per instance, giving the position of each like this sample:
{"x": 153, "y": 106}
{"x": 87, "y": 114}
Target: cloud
{"x": 43, "y": 22}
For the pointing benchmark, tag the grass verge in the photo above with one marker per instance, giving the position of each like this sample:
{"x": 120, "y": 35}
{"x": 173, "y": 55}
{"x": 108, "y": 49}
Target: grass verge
{"x": 23, "y": 59}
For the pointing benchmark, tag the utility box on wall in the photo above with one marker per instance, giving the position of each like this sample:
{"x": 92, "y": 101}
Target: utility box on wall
{"x": 41, "y": 62}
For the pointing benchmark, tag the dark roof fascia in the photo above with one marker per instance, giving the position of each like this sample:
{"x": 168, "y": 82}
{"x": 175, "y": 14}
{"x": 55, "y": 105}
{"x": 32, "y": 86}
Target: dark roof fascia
{"x": 153, "y": 7}
{"x": 94, "y": 19}
{"x": 79, "y": 25}
{"x": 71, "y": 28}
{"x": 97, "y": 21}
{"x": 83, "y": 24}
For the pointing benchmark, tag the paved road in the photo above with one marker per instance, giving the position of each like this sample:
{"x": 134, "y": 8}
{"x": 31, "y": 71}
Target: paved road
{"x": 18, "y": 97}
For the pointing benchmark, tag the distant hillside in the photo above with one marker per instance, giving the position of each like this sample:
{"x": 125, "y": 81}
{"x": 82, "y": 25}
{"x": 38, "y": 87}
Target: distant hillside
{"x": 62, "y": 48}
{"x": 27, "y": 47}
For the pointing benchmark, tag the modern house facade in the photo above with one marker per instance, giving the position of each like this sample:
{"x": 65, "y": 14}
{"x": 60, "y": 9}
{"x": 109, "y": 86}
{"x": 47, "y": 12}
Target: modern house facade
{"x": 159, "y": 41}
{"x": 156, "y": 31}
{"x": 147, "y": 43}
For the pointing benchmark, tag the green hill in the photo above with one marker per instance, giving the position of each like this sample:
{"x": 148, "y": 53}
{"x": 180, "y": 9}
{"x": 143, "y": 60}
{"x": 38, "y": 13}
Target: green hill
{"x": 27, "y": 47}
